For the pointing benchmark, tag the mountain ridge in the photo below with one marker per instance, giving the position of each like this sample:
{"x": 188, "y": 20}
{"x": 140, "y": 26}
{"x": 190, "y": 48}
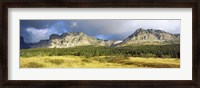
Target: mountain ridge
{"x": 139, "y": 37}
{"x": 151, "y": 36}
{"x": 72, "y": 39}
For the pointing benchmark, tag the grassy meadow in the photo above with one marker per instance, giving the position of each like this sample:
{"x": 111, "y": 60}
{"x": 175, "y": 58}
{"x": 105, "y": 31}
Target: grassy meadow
{"x": 97, "y": 62}
{"x": 146, "y": 56}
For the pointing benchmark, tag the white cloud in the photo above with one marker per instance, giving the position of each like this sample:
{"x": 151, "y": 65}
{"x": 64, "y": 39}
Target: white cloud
{"x": 35, "y": 35}
{"x": 73, "y": 24}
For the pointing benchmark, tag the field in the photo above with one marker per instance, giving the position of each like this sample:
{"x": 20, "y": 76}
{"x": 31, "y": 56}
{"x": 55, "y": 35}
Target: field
{"x": 97, "y": 62}
{"x": 162, "y": 56}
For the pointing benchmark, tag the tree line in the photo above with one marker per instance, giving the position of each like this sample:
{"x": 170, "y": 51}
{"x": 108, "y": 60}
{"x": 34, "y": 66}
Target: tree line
{"x": 169, "y": 51}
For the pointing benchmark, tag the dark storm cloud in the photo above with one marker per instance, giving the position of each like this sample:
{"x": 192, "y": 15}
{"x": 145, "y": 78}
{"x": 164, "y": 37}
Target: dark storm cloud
{"x": 36, "y": 23}
{"x": 36, "y": 30}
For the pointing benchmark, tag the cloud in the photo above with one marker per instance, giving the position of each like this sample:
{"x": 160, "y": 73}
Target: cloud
{"x": 103, "y": 29}
{"x": 58, "y": 27}
{"x": 120, "y": 29}
{"x": 35, "y": 31}
{"x": 73, "y": 24}
{"x": 35, "y": 35}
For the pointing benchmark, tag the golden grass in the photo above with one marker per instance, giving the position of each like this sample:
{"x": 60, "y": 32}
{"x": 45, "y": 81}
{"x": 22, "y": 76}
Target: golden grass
{"x": 97, "y": 62}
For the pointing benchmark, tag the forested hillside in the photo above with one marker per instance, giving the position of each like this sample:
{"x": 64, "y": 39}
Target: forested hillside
{"x": 169, "y": 51}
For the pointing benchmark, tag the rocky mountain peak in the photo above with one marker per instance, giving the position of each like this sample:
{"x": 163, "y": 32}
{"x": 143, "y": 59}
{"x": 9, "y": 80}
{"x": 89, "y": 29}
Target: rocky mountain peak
{"x": 151, "y": 36}
{"x": 139, "y": 30}
{"x": 76, "y": 33}
{"x": 71, "y": 39}
{"x": 152, "y": 31}
{"x": 53, "y": 36}
{"x": 56, "y": 36}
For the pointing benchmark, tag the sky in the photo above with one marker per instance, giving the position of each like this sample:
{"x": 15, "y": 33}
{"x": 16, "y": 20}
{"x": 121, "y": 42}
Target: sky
{"x": 35, "y": 30}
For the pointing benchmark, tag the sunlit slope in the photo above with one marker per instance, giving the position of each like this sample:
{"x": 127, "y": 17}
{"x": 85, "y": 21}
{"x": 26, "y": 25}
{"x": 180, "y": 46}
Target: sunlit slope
{"x": 97, "y": 62}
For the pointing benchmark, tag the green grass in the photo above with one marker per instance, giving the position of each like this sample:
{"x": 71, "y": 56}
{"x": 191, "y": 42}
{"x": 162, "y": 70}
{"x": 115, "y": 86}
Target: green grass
{"x": 142, "y": 56}
{"x": 97, "y": 62}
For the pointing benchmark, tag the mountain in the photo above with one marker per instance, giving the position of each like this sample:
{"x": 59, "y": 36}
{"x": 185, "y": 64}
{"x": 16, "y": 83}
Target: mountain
{"x": 139, "y": 37}
{"x": 150, "y": 37}
{"x": 72, "y": 39}
{"x": 23, "y": 45}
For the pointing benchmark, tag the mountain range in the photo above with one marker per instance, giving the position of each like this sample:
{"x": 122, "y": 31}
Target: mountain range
{"x": 139, "y": 37}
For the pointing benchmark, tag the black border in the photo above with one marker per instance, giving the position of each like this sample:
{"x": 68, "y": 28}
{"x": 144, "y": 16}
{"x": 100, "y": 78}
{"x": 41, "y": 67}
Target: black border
{"x": 194, "y": 4}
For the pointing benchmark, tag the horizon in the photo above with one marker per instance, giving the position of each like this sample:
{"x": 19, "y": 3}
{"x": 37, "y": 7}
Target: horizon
{"x": 34, "y": 31}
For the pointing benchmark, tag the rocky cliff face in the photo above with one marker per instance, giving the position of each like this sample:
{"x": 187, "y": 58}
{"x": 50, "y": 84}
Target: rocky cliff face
{"x": 71, "y": 40}
{"x": 151, "y": 37}
{"x": 139, "y": 37}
